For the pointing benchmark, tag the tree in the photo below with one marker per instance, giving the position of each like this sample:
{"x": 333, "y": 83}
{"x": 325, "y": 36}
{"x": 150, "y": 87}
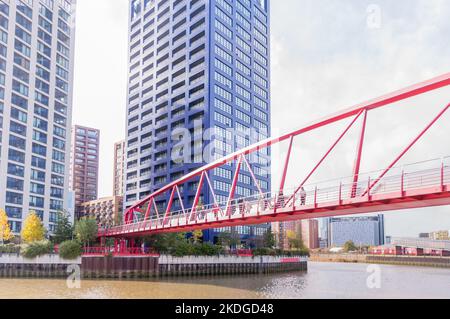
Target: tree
{"x": 229, "y": 239}
{"x": 350, "y": 246}
{"x": 33, "y": 229}
{"x": 86, "y": 230}
{"x": 63, "y": 228}
{"x": 197, "y": 236}
{"x": 269, "y": 239}
{"x": 70, "y": 249}
{"x": 165, "y": 243}
{"x": 5, "y": 230}
{"x": 295, "y": 240}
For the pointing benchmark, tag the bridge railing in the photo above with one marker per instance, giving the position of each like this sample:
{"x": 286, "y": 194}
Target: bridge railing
{"x": 403, "y": 178}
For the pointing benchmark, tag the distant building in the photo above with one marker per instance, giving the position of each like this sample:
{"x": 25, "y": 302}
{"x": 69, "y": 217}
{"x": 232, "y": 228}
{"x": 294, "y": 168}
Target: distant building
{"x": 119, "y": 168}
{"x": 363, "y": 231}
{"x": 281, "y": 231}
{"x": 107, "y": 211}
{"x": 323, "y": 227}
{"x": 420, "y": 243}
{"x": 84, "y": 160}
{"x": 414, "y": 247}
{"x": 439, "y": 235}
{"x": 71, "y": 203}
{"x": 310, "y": 233}
{"x": 37, "y": 48}
{"x": 424, "y": 235}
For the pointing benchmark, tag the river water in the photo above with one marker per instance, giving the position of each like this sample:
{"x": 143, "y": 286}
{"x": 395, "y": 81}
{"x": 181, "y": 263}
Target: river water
{"x": 323, "y": 280}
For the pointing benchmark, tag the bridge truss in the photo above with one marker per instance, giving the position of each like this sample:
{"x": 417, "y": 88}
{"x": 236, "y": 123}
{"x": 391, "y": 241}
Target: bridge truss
{"x": 391, "y": 188}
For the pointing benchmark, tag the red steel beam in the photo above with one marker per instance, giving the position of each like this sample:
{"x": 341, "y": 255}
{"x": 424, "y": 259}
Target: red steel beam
{"x": 255, "y": 180}
{"x": 357, "y": 165}
{"x": 326, "y": 154}
{"x": 408, "y": 92}
{"x": 213, "y": 193}
{"x": 286, "y": 165}
{"x": 197, "y": 197}
{"x": 181, "y": 199}
{"x": 169, "y": 205}
{"x": 435, "y": 119}
{"x": 233, "y": 187}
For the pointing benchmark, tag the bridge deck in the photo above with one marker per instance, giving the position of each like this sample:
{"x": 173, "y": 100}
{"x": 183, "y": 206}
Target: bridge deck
{"x": 424, "y": 188}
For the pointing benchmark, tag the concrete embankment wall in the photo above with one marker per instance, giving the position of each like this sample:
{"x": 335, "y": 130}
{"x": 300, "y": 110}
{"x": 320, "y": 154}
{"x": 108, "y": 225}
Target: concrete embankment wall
{"x": 51, "y": 266}
{"x": 118, "y": 267}
{"x": 194, "y": 266}
{"x": 410, "y": 261}
{"x": 422, "y": 261}
{"x": 48, "y": 266}
{"x": 168, "y": 266}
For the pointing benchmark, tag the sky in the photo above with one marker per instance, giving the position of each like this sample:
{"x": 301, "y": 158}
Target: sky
{"x": 327, "y": 55}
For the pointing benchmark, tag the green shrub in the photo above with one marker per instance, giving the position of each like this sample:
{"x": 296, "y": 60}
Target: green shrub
{"x": 279, "y": 252}
{"x": 182, "y": 249}
{"x": 265, "y": 252}
{"x": 207, "y": 249}
{"x": 36, "y": 249}
{"x": 70, "y": 249}
{"x": 9, "y": 249}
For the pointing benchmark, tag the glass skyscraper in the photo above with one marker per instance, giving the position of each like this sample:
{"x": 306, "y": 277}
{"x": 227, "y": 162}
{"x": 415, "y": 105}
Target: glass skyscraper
{"x": 36, "y": 80}
{"x": 199, "y": 88}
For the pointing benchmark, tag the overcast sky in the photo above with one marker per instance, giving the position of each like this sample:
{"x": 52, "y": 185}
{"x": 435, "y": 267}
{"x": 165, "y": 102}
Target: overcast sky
{"x": 326, "y": 55}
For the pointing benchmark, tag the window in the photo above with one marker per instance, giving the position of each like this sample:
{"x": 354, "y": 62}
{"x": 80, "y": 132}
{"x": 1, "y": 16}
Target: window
{"x": 37, "y": 176}
{"x": 223, "y": 80}
{"x": 16, "y": 156}
{"x": 244, "y": 69}
{"x": 224, "y": 4}
{"x": 223, "y": 93}
{"x": 225, "y": 120}
{"x": 36, "y": 202}
{"x": 223, "y": 54}
{"x": 17, "y": 142}
{"x": 14, "y": 198}
{"x": 18, "y": 128}
{"x": 223, "y": 67}
{"x": 243, "y": 104}
{"x": 59, "y": 143}
{"x": 16, "y": 170}
{"x": 222, "y": 106}
{"x": 37, "y": 189}
{"x": 243, "y": 80}
{"x": 39, "y": 149}
{"x": 224, "y": 42}
{"x": 222, "y": 15}
{"x": 243, "y": 117}
{"x": 38, "y": 162}
{"x": 13, "y": 212}
{"x": 225, "y": 30}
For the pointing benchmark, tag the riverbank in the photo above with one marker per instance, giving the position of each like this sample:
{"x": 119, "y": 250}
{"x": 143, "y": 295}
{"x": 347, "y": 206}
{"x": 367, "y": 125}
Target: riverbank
{"x": 425, "y": 261}
{"x": 142, "y": 267}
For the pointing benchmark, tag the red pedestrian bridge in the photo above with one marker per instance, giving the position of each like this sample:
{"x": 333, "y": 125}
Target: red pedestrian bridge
{"x": 417, "y": 185}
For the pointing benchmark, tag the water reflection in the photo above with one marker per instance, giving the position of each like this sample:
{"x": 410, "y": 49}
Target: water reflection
{"x": 323, "y": 280}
